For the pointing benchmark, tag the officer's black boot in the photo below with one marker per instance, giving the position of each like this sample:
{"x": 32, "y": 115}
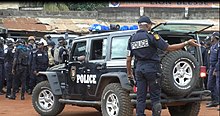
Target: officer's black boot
{"x": 29, "y": 91}
{"x": 12, "y": 96}
{"x": 157, "y": 109}
{"x": 22, "y": 97}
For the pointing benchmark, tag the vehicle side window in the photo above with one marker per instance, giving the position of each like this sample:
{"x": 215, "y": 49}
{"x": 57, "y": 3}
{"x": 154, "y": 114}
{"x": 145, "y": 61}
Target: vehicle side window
{"x": 98, "y": 49}
{"x": 79, "y": 49}
{"x": 119, "y": 47}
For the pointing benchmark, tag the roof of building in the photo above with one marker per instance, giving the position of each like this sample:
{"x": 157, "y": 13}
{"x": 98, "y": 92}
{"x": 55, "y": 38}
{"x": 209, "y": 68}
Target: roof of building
{"x": 59, "y": 25}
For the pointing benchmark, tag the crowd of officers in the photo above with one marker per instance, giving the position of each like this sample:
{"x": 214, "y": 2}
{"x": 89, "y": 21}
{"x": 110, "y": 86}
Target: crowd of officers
{"x": 21, "y": 61}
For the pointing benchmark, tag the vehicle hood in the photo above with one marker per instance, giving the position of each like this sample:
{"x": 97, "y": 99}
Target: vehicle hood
{"x": 58, "y": 67}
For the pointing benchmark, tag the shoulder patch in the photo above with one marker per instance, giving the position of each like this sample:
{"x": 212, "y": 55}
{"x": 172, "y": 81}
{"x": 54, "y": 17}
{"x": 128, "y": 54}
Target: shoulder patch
{"x": 156, "y": 36}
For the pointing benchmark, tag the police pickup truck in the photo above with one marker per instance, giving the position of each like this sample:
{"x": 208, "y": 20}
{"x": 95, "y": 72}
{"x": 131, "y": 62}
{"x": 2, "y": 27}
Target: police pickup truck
{"x": 100, "y": 80}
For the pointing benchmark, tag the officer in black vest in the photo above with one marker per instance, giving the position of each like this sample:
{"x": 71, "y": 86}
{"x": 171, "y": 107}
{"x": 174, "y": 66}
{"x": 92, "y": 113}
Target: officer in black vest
{"x": 60, "y": 51}
{"x": 9, "y": 56}
{"x": 30, "y": 78}
{"x": 2, "y": 79}
{"x": 143, "y": 46}
{"x": 40, "y": 61}
{"x": 19, "y": 68}
{"x": 213, "y": 84}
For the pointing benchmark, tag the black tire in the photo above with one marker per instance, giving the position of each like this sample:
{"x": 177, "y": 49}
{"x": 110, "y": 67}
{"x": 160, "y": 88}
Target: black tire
{"x": 185, "y": 78}
{"x": 190, "y": 109}
{"x": 123, "y": 102}
{"x": 53, "y": 108}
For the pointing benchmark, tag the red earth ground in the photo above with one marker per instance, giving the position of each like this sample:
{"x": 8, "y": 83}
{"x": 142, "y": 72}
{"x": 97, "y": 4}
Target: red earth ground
{"x": 24, "y": 108}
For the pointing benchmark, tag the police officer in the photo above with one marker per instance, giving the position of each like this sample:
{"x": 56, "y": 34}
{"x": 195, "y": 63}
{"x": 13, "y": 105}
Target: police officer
{"x": 212, "y": 79}
{"x": 50, "y": 53}
{"x": 19, "y": 68}
{"x": 40, "y": 61}
{"x": 205, "y": 57}
{"x": 9, "y": 56}
{"x": 30, "y": 78}
{"x": 1, "y": 66}
{"x": 60, "y": 51}
{"x": 218, "y": 72}
{"x": 143, "y": 46}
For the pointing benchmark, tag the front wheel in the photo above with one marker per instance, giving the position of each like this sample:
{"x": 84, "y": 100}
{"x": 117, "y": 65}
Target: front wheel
{"x": 190, "y": 109}
{"x": 116, "y": 101}
{"x": 44, "y": 101}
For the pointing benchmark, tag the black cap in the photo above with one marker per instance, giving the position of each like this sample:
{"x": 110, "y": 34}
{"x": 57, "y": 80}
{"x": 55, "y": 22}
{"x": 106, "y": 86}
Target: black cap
{"x": 216, "y": 35}
{"x": 61, "y": 38}
{"x": 51, "y": 43}
{"x": 145, "y": 20}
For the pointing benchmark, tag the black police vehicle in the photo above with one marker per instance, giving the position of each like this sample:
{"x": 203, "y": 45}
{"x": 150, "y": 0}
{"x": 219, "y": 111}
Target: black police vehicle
{"x": 100, "y": 80}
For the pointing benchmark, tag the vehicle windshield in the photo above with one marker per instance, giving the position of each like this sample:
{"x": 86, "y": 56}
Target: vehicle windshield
{"x": 183, "y": 27}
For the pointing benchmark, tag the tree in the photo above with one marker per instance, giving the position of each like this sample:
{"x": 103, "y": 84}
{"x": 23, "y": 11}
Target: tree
{"x": 86, "y": 6}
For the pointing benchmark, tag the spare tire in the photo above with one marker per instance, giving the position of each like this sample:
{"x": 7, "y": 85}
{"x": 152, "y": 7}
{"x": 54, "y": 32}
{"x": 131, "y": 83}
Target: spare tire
{"x": 181, "y": 73}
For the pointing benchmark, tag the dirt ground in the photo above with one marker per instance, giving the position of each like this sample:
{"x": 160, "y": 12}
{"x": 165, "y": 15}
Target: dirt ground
{"x": 24, "y": 108}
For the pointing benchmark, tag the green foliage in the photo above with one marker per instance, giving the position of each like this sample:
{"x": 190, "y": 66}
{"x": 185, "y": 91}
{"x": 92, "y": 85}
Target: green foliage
{"x": 51, "y": 7}
{"x": 86, "y": 6}
{"x": 62, "y": 7}
{"x": 66, "y": 6}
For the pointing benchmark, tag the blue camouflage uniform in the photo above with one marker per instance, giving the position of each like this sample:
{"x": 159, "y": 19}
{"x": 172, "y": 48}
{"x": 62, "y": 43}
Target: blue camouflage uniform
{"x": 31, "y": 81}
{"x": 212, "y": 81}
{"x": 143, "y": 46}
{"x": 40, "y": 63}
{"x": 20, "y": 66}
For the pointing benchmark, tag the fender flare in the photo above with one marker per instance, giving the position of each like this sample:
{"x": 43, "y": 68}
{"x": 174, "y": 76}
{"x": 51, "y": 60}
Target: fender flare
{"x": 122, "y": 76}
{"x": 53, "y": 81}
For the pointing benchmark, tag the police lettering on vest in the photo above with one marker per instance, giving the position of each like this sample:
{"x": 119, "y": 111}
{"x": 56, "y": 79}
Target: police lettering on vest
{"x": 139, "y": 44}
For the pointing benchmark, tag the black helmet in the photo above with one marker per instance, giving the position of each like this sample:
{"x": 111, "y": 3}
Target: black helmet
{"x": 39, "y": 43}
{"x": 20, "y": 41}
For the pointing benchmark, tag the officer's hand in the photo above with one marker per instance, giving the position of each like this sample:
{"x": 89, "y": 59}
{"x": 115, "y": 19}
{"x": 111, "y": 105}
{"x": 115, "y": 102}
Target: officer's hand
{"x": 36, "y": 73}
{"x": 131, "y": 81}
{"x": 192, "y": 42}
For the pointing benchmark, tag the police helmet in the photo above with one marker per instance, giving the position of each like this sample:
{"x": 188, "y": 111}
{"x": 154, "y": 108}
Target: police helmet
{"x": 9, "y": 42}
{"x": 43, "y": 41}
{"x": 31, "y": 38}
{"x": 216, "y": 35}
{"x": 39, "y": 43}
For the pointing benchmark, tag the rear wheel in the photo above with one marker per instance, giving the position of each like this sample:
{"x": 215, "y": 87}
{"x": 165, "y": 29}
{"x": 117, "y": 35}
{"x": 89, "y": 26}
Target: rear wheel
{"x": 181, "y": 73}
{"x": 116, "y": 101}
{"x": 190, "y": 109}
